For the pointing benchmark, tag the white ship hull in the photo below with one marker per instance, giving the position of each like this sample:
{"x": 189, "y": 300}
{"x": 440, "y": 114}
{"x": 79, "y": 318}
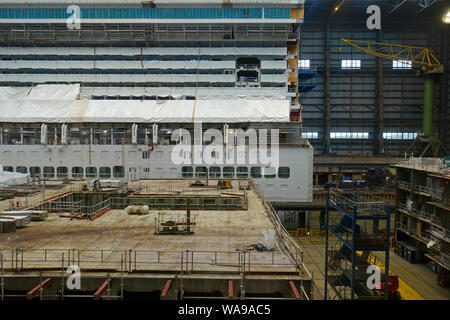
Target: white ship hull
{"x": 295, "y": 188}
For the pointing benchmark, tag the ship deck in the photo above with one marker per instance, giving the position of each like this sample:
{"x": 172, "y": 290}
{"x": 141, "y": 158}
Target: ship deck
{"x": 117, "y": 241}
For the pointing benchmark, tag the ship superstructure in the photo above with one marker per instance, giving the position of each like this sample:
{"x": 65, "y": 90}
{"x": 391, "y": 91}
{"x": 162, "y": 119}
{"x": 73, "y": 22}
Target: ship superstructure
{"x": 110, "y": 89}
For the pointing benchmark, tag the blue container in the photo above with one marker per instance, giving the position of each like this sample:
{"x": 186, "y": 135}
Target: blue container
{"x": 412, "y": 256}
{"x": 406, "y": 253}
{"x": 400, "y": 250}
{"x": 330, "y": 185}
{"x": 360, "y": 184}
{"x": 346, "y": 184}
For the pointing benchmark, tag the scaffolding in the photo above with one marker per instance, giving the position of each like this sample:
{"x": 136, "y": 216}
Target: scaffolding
{"x": 347, "y": 256}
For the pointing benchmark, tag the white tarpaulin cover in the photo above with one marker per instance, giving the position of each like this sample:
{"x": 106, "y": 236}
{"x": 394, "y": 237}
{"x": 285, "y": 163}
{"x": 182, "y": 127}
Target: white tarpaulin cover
{"x": 12, "y": 178}
{"x": 41, "y": 92}
{"x": 67, "y": 111}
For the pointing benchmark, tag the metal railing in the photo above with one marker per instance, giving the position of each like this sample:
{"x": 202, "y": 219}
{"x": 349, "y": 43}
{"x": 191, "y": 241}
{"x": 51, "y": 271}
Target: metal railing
{"x": 365, "y": 203}
{"x": 296, "y": 253}
{"x": 424, "y": 236}
{"x": 20, "y": 259}
{"x": 403, "y": 184}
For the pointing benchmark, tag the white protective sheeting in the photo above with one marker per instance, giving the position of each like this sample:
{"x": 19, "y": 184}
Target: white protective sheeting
{"x": 215, "y": 111}
{"x": 12, "y": 178}
{"x": 202, "y": 93}
{"x": 119, "y": 65}
{"x": 41, "y": 92}
{"x": 121, "y": 78}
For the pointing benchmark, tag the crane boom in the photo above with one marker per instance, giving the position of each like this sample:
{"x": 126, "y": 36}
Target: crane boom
{"x": 419, "y": 56}
{"x": 428, "y": 67}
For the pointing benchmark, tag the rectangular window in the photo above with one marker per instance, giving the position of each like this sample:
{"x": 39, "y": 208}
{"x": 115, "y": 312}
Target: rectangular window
{"x": 21, "y": 169}
{"x": 77, "y": 172}
{"x": 351, "y": 64}
{"x": 214, "y": 172}
{"x": 62, "y": 172}
{"x": 304, "y": 64}
{"x": 228, "y": 172}
{"x": 49, "y": 172}
{"x": 402, "y": 64}
{"x": 91, "y": 172}
{"x": 284, "y": 172}
{"x": 200, "y": 172}
{"x": 35, "y": 172}
{"x": 399, "y": 135}
{"x": 118, "y": 172}
{"x": 186, "y": 172}
{"x": 242, "y": 172}
{"x": 105, "y": 172}
{"x": 349, "y": 135}
{"x": 270, "y": 172}
{"x": 310, "y": 135}
{"x": 255, "y": 172}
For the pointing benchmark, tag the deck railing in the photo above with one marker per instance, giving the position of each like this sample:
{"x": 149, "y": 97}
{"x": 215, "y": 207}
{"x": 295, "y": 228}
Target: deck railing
{"x": 21, "y": 259}
{"x": 286, "y": 239}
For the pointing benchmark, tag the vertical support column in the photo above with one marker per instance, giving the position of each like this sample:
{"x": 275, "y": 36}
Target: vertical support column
{"x": 90, "y": 145}
{"x": 352, "y": 280}
{"x": 379, "y": 125}
{"x": 386, "y": 258}
{"x": 327, "y": 115}
{"x": 444, "y": 90}
{"x": 428, "y": 106}
{"x": 112, "y": 135}
{"x": 327, "y": 210}
{"x": 188, "y": 214}
{"x": 2, "y": 284}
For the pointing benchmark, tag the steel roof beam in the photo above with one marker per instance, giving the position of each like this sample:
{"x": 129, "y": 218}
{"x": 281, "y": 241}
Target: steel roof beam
{"x": 397, "y": 4}
{"x": 424, "y": 4}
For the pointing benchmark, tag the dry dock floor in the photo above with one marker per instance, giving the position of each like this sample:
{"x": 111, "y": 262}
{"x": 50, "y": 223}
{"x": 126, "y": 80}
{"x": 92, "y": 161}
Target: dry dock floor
{"x": 420, "y": 281}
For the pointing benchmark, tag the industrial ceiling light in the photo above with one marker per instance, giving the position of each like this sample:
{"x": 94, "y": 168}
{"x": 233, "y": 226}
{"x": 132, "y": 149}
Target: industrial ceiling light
{"x": 446, "y": 17}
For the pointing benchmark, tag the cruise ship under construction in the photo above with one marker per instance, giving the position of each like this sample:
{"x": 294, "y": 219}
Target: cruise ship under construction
{"x": 143, "y": 142}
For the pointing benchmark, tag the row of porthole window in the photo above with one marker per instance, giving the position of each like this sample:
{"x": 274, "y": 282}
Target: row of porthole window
{"x": 63, "y": 172}
{"x": 239, "y": 172}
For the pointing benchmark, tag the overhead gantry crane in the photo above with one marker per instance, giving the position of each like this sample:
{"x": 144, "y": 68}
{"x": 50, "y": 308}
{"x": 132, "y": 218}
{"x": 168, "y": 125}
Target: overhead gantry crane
{"x": 429, "y": 68}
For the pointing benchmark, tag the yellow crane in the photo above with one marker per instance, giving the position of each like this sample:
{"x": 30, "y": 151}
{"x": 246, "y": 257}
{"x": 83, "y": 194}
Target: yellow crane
{"x": 428, "y": 67}
{"x": 419, "y": 56}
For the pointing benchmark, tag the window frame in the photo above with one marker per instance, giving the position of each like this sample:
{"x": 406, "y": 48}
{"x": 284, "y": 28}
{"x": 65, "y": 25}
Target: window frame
{"x": 284, "y": 175}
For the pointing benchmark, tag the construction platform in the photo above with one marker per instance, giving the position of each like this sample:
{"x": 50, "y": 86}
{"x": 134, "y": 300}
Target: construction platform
{"x": 121, "y": 256}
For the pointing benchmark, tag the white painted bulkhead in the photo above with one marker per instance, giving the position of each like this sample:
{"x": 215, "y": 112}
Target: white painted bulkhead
{"x": 139, "y": 163}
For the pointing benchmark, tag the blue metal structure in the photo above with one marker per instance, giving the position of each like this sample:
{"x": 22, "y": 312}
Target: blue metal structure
{"x": 345, "y": 269}
{"x": 307, "y": 81}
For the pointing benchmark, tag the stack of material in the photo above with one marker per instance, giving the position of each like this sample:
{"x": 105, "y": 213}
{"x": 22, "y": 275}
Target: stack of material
{"x": 39, "y": 215}
{"x": 7, "y": 225}
{"x": 16, "y": 213}
{"x": 21, "y": 221}
{"x": 110, "y": 183}
{"x": 33, "y": 215}
{"x": 137, "y": 209}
